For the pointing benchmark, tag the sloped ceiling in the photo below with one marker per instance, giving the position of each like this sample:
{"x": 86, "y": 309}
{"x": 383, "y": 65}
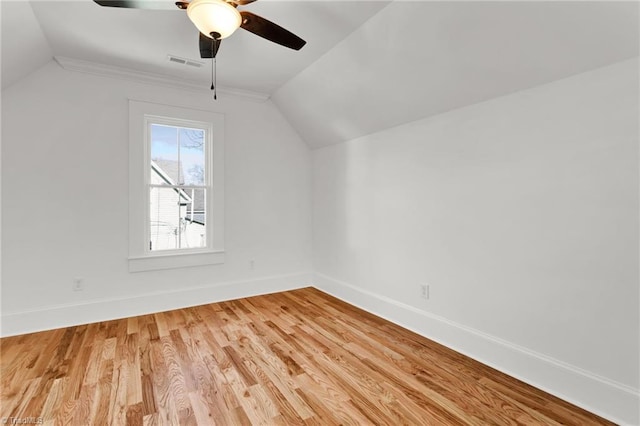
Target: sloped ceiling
{"x": 416, "y": 59}
{"x": 24, "y": 46}
{"x": 367, "y": 66}
{"x": 141, "y": 39}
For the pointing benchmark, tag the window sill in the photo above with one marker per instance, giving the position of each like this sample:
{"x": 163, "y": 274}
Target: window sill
{"x": 175, "y": 260}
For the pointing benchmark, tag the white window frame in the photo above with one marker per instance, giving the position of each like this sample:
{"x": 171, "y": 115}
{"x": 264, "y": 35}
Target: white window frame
{"x": 141, "y": 116}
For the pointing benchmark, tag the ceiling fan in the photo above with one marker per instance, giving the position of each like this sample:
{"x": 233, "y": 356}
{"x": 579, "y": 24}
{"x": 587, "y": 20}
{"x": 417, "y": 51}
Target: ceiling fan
{"x": 218, "y": 19}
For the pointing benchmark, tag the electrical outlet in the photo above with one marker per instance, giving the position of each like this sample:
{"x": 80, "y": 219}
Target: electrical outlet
{"x": 78, "y": 284}
{"x": 424, "y": 291}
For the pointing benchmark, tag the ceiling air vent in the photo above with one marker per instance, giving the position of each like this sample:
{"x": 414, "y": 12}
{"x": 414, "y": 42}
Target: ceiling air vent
{"x": 185, "y": 61}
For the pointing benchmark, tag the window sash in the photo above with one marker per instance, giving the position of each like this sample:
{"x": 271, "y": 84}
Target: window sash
{"x": 174, "y": 223}
{"x": 207, "y": 128}
{"x": 156, "y": 185}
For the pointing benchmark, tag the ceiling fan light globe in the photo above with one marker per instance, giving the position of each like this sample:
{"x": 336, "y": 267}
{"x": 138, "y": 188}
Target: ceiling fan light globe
{"x": 214, "y": 16}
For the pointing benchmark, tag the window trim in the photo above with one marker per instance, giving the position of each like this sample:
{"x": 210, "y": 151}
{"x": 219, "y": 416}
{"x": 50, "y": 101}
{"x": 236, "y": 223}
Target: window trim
{"x": 141, "y": 114}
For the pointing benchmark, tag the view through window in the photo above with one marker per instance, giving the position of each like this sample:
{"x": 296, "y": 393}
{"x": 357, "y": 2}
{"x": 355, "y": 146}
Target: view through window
{"x": 178, "y": 189}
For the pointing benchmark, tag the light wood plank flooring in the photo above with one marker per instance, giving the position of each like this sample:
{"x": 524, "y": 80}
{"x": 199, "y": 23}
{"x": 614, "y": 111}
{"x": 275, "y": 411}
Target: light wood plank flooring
{"x": 295, "y": 358}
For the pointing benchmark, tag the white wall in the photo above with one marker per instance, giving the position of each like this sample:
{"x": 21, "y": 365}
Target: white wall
{"x": 521, "y": 213}
{"x": 65, "y": 203}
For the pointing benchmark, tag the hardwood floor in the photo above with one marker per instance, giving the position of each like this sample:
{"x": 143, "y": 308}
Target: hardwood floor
{"x": 295, "y": 358}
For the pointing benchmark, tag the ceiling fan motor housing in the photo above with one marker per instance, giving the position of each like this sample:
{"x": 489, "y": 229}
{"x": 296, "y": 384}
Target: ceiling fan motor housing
{"x": 214, "y": 16}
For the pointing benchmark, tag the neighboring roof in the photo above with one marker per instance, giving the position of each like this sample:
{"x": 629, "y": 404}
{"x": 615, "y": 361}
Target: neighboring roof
{"x": 198, "y": 199}
{"x": 171, "y": 169}
{"x": 166, "y": 176}
{"x": 170, "y": 172}
{"x": 198, "y": 218}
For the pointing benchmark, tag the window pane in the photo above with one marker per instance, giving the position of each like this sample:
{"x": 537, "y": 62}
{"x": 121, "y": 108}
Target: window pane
{"x": 177, "y": 218}
{"x": 195, "y": 227}
{"x": 165, "y": 168}
{"x": 164, "y": 218}
{"x": 192, "y": 159}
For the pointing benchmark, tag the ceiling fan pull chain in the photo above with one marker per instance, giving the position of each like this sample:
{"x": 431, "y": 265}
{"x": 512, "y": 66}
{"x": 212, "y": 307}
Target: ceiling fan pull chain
{"x": 213, "y": 77}
{"x": 214, "y": 70}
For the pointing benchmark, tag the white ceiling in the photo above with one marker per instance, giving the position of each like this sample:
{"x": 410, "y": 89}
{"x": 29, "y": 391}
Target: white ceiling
{"x": 142, "y": 39}
{"x": 367, "y": 65}
{"x": 24, "y": 47}
{"x": 415, "y": 59}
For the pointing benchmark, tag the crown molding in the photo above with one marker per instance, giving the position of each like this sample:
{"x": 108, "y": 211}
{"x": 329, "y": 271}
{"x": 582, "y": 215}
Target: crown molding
{"x": 78, "y": 65}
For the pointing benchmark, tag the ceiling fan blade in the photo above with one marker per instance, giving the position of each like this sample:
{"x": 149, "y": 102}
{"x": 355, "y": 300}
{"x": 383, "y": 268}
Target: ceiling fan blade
{"x": 206, "y": 44}
{"x": 139, "y": 4}
{"x": 272, "y": 32}
{"x": 241, "y": 2}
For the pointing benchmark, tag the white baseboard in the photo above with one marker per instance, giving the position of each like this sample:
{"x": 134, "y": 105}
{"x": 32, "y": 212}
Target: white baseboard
{"x": 606, "y": 398}
{"x": 51, "y": 317}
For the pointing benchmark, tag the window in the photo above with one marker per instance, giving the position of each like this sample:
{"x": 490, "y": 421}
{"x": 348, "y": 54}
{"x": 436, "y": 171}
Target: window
{"x": 178, "y": 184}
{"x": 175, "y": 187}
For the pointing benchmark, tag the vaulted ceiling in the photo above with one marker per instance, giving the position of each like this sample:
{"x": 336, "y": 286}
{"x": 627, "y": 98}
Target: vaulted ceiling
{"x": 141, "y": 40}
{"x": 367, "y": 65}
{"x": 417, "y": 59}
{"x": 24, "y": 46}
